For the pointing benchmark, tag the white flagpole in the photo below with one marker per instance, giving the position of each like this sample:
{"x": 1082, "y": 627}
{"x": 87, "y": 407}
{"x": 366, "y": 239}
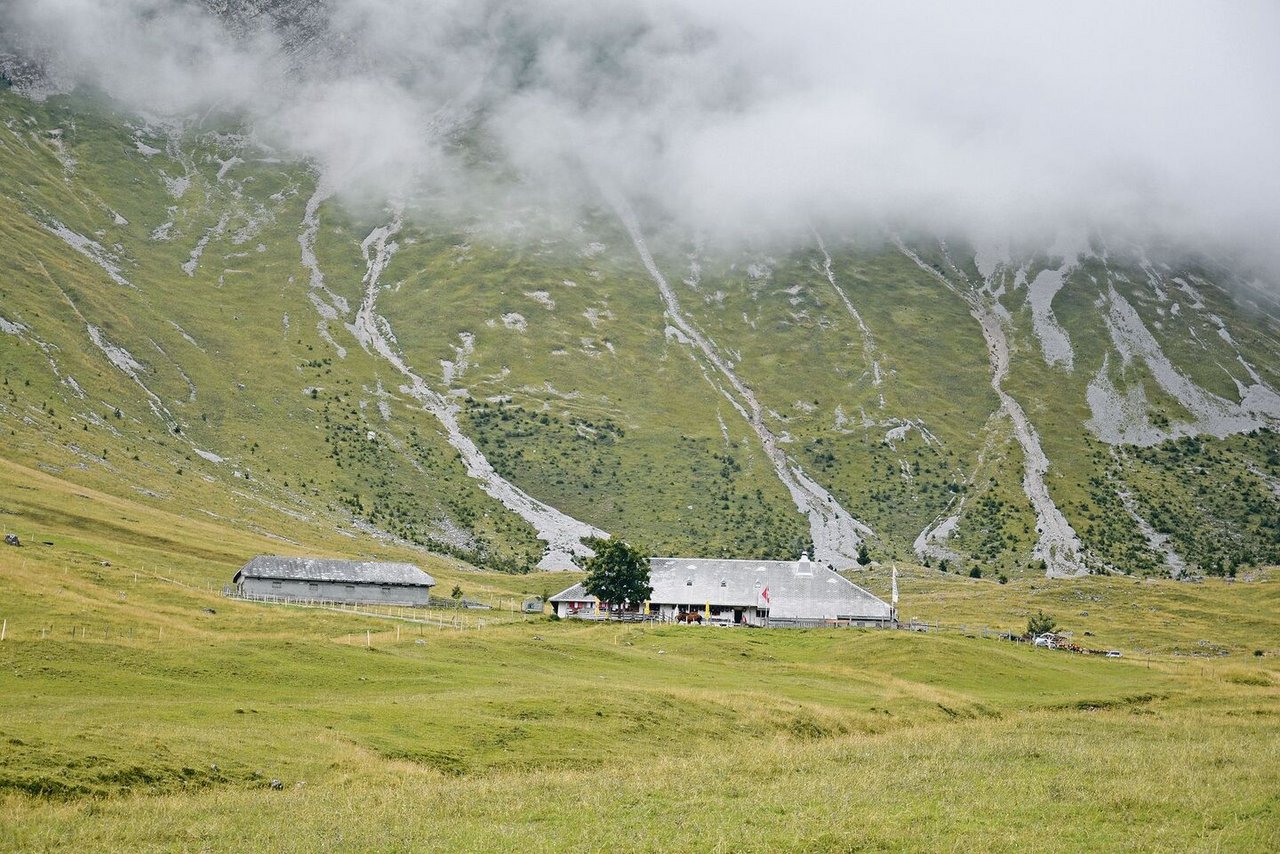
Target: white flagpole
{"x": 894, "y": 610}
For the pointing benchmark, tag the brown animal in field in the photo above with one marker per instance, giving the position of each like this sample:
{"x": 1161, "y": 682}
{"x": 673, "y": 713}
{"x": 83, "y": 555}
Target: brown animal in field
{"x": 689, "y": 617}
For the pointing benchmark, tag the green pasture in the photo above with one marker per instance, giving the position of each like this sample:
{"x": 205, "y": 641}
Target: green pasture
{"x": 150, "y": 713}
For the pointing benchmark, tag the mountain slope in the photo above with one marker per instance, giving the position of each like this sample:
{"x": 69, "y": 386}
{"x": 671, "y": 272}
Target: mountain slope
{"x": 193, "y": 316}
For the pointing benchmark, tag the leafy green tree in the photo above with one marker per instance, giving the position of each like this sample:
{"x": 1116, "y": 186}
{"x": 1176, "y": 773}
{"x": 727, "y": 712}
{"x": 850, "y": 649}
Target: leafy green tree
{"x": 1039, "y": 623}
{"x": 618, "y": 573}
{"x": 457, "y": 592}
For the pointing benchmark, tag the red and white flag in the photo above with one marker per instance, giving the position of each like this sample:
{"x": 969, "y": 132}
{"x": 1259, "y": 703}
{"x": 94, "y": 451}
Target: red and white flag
{"x": 764, "y": 594}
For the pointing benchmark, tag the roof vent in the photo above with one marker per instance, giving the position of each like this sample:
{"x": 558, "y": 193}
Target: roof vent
{"x": 803, "y": 567}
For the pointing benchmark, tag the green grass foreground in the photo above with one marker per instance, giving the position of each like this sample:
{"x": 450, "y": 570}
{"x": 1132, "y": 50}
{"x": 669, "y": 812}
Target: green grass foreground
{"x": 131, "y": 719}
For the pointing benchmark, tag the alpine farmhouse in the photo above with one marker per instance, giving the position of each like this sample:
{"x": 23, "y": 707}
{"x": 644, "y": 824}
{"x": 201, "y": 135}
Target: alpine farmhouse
{"x": 777, "y": 593}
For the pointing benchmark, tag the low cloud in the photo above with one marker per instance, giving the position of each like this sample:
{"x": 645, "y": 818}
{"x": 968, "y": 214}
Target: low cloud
{"x": 989, "y": 120}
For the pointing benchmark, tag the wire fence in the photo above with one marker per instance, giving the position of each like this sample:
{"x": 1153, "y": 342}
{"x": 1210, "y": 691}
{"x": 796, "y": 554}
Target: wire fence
{"x": 80, "y": 631}
{"x": 440, "y": 615}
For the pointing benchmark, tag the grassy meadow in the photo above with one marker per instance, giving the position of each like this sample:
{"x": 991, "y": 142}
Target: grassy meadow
{"x": 141, "y": 711}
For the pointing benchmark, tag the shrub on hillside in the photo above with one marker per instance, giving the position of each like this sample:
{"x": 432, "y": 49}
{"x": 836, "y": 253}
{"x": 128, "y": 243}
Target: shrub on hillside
{"x": 1040, "y": 623}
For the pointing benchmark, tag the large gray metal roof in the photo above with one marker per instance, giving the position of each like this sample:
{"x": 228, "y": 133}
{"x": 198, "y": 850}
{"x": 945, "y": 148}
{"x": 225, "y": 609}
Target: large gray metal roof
{"x": 331, "y": 569}
{"x": 798, "y": 589}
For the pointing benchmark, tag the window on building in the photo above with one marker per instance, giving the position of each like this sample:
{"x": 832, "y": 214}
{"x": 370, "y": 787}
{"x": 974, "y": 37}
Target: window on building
{"x": 351, "y": 588}
{"x": 276, "y": 585}
{"x": 313, "y": 587}
{"x": 386, "y": 589}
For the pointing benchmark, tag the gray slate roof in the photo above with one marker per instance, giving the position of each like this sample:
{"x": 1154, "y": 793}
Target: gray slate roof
{"x": 797, "y": 589}
{"x": 330, "y": 569}
{"x": 576, "y": 593}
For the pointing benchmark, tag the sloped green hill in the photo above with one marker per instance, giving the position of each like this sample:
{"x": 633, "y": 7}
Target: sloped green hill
{"x": 140, "y": 710}
{"x": 194, "y": 320}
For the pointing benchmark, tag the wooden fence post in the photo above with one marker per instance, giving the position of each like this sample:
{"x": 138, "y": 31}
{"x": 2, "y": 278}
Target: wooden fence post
{"x": 4, "y": 628}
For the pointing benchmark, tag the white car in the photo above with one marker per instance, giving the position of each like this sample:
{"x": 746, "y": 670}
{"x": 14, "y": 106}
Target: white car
{"x": 1113, "y": 653}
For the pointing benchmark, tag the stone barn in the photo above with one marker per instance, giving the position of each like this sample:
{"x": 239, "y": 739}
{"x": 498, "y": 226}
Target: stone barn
{"x": 318, "y": 579}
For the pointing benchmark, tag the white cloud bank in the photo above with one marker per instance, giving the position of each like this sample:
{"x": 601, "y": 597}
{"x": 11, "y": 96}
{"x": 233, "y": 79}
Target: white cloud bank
{"x": 980, "y": 118}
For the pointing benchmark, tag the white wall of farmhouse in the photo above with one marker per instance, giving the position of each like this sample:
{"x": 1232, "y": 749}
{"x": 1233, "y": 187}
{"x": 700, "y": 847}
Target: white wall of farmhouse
{"x": 585, "y": 608}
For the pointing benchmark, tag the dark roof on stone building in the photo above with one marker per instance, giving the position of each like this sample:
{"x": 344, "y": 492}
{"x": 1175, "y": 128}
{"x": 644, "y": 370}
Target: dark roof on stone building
{"x": 332, "y": 569}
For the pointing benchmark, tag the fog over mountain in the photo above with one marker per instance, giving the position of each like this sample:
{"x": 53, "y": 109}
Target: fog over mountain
{"x": 990, "y": 120}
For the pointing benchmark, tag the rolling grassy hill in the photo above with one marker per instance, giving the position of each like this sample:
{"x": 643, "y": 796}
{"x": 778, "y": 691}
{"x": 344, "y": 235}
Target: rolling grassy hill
{"x": 139, "y": 710}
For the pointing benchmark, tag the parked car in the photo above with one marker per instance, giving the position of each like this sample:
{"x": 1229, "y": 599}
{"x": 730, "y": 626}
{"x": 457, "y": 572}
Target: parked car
{"x": 1113, "y": 653}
